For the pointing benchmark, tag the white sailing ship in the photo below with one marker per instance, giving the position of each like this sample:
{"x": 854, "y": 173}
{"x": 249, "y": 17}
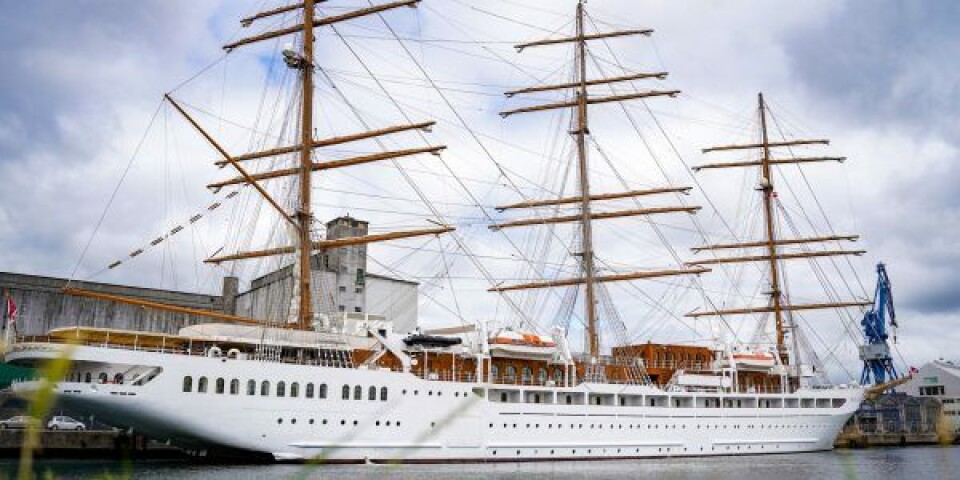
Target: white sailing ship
{"x": 301, "y": 390}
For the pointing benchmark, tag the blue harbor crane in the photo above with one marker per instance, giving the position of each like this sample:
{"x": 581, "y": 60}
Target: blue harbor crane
{"x": 875, "y": 352}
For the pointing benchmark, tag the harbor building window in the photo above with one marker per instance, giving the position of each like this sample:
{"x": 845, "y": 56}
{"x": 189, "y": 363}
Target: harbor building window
{"x": 494, "y": 372}
{"x": 309, "y": 391}
{"x": 281, "y": 389}
{"x": 234, "y": 387}
{"x": 542, "y": 376}
{"x": 346, "y": 392}
{"x": 558, "y": 376}
{"x": 251, "y": 387}
{"x": 372, "y": 394}
{"x": 932, "y": 390}
{"x": 322, "y": 393}
{"x": 383, "y": 394}
{"x": 511, "y": 373}
{"x": 89, "y": 378}
{"x": 527, "y": 375}
{"x": 357, "y": 392}
{"x": 187, "y": 382}
{"x": 264, "y": 388}
{"x": 294, "y": 390}
{"x": 202, "y": 385}
{"x": 221, "y": 386}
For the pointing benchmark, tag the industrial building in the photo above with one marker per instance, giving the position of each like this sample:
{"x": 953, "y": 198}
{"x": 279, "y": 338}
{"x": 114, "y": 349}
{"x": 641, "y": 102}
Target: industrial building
{"x": 345, "y": 290}
{"x": 939, "y": 379}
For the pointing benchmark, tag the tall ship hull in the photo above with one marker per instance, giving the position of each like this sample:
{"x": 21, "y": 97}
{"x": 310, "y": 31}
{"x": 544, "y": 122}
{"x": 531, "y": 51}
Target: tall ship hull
{"x": 401, "y": 417}
{"x": 307, "y": 372}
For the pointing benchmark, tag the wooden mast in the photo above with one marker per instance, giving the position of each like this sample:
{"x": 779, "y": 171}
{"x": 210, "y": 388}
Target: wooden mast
{"x": 580, "y": 128}
{"x": 306, "y": 171}
{"x": 778, "y": 305}
{"x": 586, "y": 228}
{"x": 768, "y": 192}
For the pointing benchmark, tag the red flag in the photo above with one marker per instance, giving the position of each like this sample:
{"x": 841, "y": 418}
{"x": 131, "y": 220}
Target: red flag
{"x": 11, "y": 312}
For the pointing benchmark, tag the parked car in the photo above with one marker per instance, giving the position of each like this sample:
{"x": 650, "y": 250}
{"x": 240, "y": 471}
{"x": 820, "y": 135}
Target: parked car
{"x": 65, "y": 423}
{"x": 20, "y": 421}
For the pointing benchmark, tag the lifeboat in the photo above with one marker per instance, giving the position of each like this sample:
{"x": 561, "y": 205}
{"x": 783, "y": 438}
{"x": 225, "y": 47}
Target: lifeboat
{"x": 431, "y": 341}
{"x": 510, "y": 337}
{"x": 511, "y": 343}
{"x": 754, "y": 360}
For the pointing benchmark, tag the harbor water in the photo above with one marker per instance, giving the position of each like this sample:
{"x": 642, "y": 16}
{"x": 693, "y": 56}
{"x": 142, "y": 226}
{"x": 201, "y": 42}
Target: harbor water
{"x": 913, "y": 463}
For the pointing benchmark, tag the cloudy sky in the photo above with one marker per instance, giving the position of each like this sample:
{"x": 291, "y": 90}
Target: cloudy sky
{"x": 82, "y": 83}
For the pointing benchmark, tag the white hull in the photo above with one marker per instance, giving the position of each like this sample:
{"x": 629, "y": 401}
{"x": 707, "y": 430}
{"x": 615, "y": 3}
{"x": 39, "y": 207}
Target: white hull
{"x": 436, "y": 421}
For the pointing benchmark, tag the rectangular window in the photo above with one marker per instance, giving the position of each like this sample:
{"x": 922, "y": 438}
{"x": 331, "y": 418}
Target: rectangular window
{"x": 932, "y": 391}
{"x": 360, "y": 277}
{"x": 358, "y": 290}
{"x": 343, "y": 289}
{"x": 357, "y": 309}
{"x": 342, "y": 308}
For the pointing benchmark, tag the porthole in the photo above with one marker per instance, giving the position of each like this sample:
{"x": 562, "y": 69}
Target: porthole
{"x": 279, "y": 421}
{"x": 311, "y": 421}
{"x": 293, "y": 420}
{"x": 354, "y": 423}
